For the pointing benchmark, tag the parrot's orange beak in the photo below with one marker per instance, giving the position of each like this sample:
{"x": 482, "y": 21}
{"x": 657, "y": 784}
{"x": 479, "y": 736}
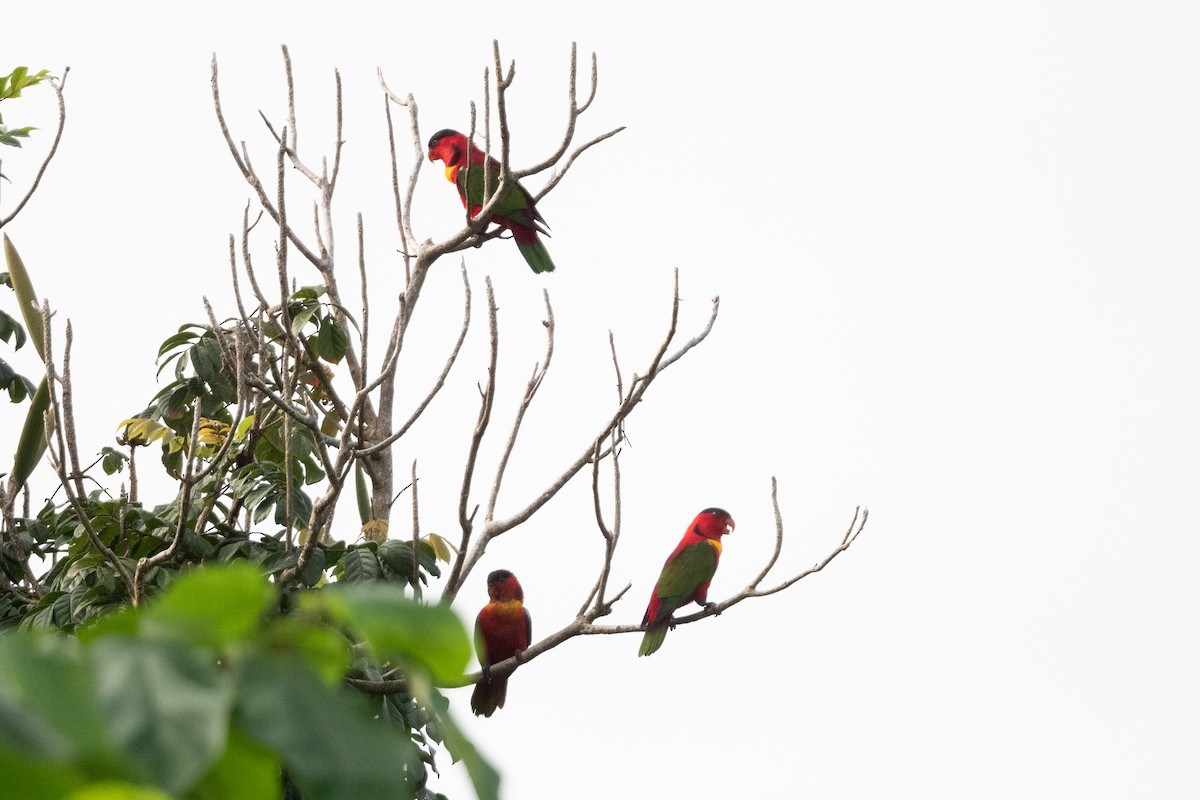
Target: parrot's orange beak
{"x": 730, "y": 524}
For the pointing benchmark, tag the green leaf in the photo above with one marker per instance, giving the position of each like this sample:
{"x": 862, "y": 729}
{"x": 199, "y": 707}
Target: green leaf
{"x": 323, "y": 649}
{"x": 331, "y": 340}
{"x": 429, "y": 636}
{"x": 31, "y": 778}
{"x": 360, "y": 565}
{"x": 10, "y": 136}
{"x": 247, "y": 422}
{"x": 27, "y": 300}
{"x": 12, "y": 84}
{"x": 246, "y": 771}
{"x": 112, "y": 460}
{"x": 279, "y": 561}
{"x": 361, "y": 493}
{"x": 301, "y": 509}
{"x": 18, "y": 386}
{"x": 64, "y": 724}
{"x": 117, "y": 790}
{"x": 302, "y": 442}
{"x": 325, "y": 735}
{"x": 308, "y": 293}
{"x": 167, "y": 707}
{"x": 213, "y": 605}
{"x": 11, "y": 329}
{"x": 314, "y": 570}
{"x": 301, "y": 317}
{"x": 32, "y": 444}
{"x": 185, "y": 335}
{"x": 206, "y": 360}
{"x": 397, "y": 556}
{"x": 121, "y": 621}
{"x": 484, "y": 776}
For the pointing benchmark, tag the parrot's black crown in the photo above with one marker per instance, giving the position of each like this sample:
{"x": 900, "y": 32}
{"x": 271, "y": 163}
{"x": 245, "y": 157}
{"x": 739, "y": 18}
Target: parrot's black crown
{"x": 442, "y": 134}
{"x": 498, "y": 576}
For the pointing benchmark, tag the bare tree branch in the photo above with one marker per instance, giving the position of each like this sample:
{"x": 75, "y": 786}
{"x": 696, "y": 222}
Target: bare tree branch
{"x": 243, "y": 163}
{"x": 467, "y": 558}
{"x": 560, "y": 174}
{"x": 403, "y": 208}
{"x": 437, "y": 385}
{"x": 574, "y": 110}
{"x": 487, "y": 395}
{"x": 584, "y": 623}
{"x": 531, "y": 388}
{"x": 58, "y": 461}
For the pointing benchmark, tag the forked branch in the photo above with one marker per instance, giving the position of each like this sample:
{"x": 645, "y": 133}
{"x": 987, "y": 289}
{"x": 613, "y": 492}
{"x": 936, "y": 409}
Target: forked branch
{"x": 584, "y": 623}
{"x": 473, "y": 546}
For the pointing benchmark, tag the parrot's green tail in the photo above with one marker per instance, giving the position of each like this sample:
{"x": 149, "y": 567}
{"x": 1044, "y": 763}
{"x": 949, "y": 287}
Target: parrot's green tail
{"x": 652, "y": 640}
{"x": 537, "y": 255}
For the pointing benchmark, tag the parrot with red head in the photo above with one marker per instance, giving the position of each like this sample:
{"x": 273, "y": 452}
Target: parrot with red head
{"x": 503, "y": 628}
{"x": 685, "y": 575}
{"x": 515, "y": 210}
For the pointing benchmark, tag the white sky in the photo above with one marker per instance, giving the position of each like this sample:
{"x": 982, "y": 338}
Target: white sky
{"x": 956, "y": 254}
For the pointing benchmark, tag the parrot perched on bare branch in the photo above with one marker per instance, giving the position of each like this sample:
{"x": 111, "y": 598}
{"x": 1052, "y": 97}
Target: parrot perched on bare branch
{"x": 685, "y": 575}
{"x": 515, "y": 210}
{"x": 503, "y": 628}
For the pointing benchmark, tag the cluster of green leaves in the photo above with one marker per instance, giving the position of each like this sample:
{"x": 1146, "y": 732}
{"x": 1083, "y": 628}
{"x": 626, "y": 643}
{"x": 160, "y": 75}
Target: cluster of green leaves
{"x": 11, "y": 86}
{"x": 11, "y": 332}
{"x": 80, "y": 584}
{"x": 211, "y": 691}
{"x": 19, "y": 79}
{"x": 241, "y": 519}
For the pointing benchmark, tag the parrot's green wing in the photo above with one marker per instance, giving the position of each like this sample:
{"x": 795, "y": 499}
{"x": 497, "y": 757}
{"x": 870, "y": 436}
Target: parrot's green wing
{"x": 693, "y": 567}
{"x": 515, "y": 204}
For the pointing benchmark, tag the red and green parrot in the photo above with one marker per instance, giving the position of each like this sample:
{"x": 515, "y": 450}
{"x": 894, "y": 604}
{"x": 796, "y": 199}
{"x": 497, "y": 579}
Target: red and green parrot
{"x": 503, "y": 628}
{"x": 685, "y": 575}
{"x": 515, "y": 210}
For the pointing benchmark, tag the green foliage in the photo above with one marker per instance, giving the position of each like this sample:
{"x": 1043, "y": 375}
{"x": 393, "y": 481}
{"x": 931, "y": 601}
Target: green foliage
{"x": 228, "y": 682}
{"x": 13, "y": 136}
{"x": 11, "y": 329}
{"x": 12, "y": 83}
{"x": 213, "y": 691}
{"x": 18, "y": 386}
{"x": 11, "y": 86}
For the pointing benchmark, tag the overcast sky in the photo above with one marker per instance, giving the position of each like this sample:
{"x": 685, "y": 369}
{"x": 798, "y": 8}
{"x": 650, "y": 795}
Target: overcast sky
{"x": 956, "y": 253}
